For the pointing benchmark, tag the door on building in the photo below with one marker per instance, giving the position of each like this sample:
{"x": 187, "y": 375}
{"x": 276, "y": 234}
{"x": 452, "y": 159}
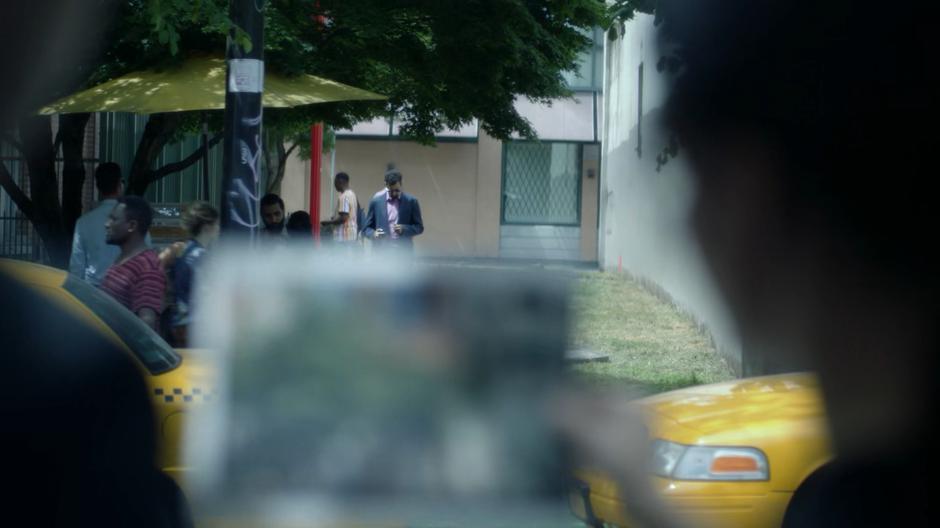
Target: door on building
{"x": 543, "y": 212}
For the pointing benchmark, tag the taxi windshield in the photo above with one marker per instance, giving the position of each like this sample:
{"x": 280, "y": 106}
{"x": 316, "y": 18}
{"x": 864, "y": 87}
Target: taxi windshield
{"x": 146, "y": 345}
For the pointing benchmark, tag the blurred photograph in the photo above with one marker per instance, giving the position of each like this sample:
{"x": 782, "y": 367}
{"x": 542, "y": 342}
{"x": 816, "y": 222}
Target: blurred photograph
{"x": 422, "y": 395}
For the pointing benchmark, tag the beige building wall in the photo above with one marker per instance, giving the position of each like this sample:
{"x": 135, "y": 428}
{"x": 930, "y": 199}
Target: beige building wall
{"x": 443, "y": 178}
{"x": 295, "y": 187}
{"x": 458, "y": 184}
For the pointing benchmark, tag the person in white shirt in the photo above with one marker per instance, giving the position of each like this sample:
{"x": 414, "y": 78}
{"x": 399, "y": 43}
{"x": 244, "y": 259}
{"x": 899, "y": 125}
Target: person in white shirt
{"x": 91, "y": 255}
{"x": 345, "y": 220}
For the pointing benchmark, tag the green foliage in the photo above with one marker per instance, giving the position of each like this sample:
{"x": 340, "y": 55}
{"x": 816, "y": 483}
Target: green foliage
{"x": 671, "y": 150}
{"x": 622, "y": 11}
{"x": 625, "y": 10}
{"x": 441, "y": 63}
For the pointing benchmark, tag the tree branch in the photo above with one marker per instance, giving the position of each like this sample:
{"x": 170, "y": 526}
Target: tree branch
{"x": 157, "y": 132}
{"x": 275, "y": 180}
{"x": 17, "y": 195}
{"x": 291, "y": 149}
{"x": 171, "y": 168}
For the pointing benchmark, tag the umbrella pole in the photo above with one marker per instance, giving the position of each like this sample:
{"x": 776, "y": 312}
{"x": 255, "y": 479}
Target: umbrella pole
{"x": 205, "y": 157}
{"x": 316, "y": 155}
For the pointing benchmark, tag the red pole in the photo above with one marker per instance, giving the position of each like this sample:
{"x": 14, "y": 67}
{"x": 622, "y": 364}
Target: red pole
{"x": 316, "y": 157}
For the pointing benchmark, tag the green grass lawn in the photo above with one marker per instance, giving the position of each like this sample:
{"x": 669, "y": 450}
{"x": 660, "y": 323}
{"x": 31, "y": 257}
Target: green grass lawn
{"x": 652, "y": 346}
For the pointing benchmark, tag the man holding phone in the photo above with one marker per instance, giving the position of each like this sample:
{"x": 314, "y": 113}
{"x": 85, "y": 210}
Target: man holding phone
{"x": 394, "y": 217}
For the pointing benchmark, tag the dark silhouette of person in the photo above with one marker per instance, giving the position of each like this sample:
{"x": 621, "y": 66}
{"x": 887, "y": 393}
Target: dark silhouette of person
{"x": 299, "y": 227}
{"x": 804, "y": 134}
{"x": 810, "y": 129}
{"x": 78, "y": 428}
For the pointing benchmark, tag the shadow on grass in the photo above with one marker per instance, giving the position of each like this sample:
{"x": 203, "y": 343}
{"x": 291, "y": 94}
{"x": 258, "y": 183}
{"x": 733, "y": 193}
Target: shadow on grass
{"x": 639, "y": 388}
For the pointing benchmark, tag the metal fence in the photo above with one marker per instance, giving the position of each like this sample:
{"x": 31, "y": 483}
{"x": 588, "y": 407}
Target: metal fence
{"x": 18, "y": 237}
{"x": 112, "y": 137}
{"x": 19, "y": 240}
{"x": 119, "y": 135}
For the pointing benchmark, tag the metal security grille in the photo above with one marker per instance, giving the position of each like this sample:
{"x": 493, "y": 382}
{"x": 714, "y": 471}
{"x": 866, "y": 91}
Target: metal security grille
{"x": 541, "y": 183}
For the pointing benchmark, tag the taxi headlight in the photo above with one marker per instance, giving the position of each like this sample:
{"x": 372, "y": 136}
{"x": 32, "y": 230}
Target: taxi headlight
{"x": 665, "y": 457}
{"x": 681, "y": 462}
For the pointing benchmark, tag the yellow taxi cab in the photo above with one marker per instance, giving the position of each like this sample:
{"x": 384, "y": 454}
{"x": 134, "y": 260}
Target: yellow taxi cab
{"x": 176, "y": 381}
{"x": 729, "y": 454}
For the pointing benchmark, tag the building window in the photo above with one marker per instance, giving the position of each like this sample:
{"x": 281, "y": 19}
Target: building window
{"x": 541, "y": 183}
{"x": 588, "y": 74}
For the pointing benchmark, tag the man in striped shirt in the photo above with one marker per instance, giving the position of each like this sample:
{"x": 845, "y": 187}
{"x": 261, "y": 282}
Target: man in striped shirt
{"x": 136, "y": 279}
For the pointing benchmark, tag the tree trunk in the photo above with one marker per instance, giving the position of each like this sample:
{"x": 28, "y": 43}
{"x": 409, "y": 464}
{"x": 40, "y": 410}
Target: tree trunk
{"x": 72, "y": 132}
{"x": 273, "y": 149}
{"x": 36, "y": 136}
{"x": 276, "y": 165}
{"x": 55, "y": 222}
{"x": 160, "y": 128}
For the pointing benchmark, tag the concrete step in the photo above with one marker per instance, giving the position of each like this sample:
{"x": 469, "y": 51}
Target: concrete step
{"x": 586, "y": 355}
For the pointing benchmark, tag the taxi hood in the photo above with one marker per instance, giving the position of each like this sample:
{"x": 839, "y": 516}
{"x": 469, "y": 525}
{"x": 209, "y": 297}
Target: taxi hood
{"x": 738, "y": 405}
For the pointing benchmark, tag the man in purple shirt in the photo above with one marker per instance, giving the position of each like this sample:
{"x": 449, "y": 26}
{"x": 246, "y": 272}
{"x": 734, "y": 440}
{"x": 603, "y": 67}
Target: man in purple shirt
{"x": 394, "y": 217}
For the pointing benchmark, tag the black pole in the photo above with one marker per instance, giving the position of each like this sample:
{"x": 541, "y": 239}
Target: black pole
{"x": 242, "y": 142}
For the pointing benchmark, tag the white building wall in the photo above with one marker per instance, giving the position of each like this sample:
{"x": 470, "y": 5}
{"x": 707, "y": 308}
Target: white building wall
{"x": 644, "y": 229}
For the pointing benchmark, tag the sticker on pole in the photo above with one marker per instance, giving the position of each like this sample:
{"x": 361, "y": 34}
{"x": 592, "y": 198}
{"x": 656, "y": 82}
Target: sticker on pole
{"x": 245, "y": 75}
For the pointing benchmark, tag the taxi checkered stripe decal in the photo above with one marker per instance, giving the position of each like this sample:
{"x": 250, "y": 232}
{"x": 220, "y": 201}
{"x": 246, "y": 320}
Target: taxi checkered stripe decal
{"x": 197, "y": 394}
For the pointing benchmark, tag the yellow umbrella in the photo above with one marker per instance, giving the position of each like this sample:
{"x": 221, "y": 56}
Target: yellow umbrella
{"x": 199, "y": 84}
